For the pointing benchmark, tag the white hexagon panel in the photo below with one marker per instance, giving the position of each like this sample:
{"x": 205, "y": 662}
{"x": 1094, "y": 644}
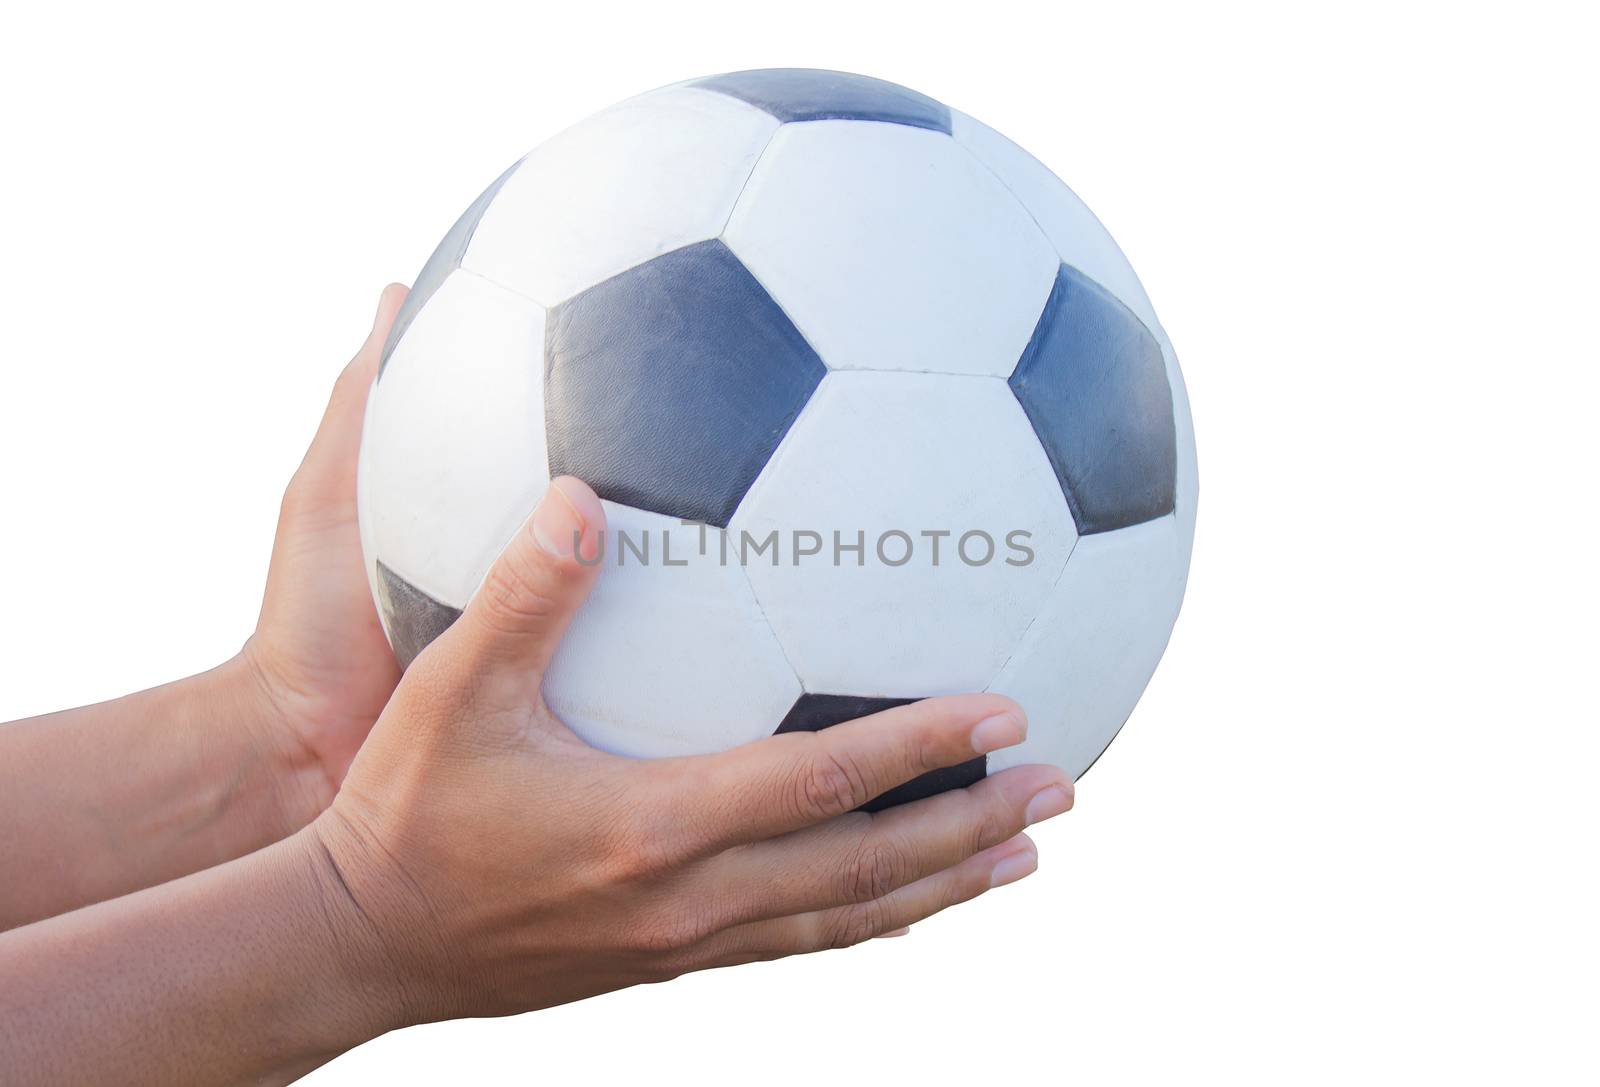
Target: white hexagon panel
{"x": 453, "y": 452}
{"x": 640, "y": 179}
{"x": 834, "y": 223}
{"x": 957, "y": 516}
{"x": 1097, "y": 640}
{"x": 670, "y": 655}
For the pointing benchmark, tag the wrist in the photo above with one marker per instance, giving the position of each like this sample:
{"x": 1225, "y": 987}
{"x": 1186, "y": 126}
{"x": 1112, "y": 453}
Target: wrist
{"x": 300, "y": 786}
{"x": 369, "y": 984}
{"x": 407, "y": 957}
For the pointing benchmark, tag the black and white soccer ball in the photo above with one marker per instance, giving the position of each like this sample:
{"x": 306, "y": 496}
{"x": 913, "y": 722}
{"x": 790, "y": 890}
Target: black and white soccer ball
{"x": 882, "y": 388}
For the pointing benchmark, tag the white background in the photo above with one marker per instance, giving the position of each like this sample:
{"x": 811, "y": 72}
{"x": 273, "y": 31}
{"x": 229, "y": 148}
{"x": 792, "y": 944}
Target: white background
{"x": 1351, "y": 829}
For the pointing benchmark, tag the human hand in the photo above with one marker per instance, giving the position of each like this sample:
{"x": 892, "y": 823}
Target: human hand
{"x": 318, "y": 657}
{"x": 499, "y": 864}
{"x": 480, "y": 859}
{"x": 161, "y": 783}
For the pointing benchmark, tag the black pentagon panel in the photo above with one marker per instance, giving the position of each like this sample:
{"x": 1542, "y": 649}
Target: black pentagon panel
{"x": 1094, "y": 385}
{"x": 414, "y": 618}
{"x": 668, "y": 387}
{"x": 814, "y": 712}
{"x": 446, "y": 259}
{"x": 812, "y": 94}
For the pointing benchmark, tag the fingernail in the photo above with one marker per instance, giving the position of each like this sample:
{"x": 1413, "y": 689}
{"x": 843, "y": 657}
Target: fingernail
{"x": 993, "y": 733}
{"x": 897, "y": 932}
{"x": 556, "y": 523}
{"x": 1047, "y": 803}
{"x": 1012, "y": 868}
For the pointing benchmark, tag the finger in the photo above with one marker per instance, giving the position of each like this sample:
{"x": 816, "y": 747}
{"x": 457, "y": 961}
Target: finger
{"x": 845, "y": 926}
{"x": 798, "y": 779}
{"x": 355, "y": 380}
{"x": 328, "y": 469}
{"x": 366, "y": 360}
{"x": 860, "y": 857}
{"x": 512, "y": 625}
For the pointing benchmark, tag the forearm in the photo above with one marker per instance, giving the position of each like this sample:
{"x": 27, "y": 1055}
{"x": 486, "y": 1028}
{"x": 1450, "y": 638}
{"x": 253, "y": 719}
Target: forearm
{"x": 106, "y": 799}
{"x": 258, "y": 970}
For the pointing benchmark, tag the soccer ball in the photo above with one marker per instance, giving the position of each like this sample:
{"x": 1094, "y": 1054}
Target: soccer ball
{"x": 877, "y": 408}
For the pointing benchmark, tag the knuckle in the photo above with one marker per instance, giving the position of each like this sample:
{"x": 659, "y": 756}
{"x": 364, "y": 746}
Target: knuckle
{"x": 634, "y": 859}
{"x": 513, "y": 598}
{"x": 628, "y": 862}
{"x": 642, "y": 853}
{"x": 992, "y": 824}
{"x": 925, "y": 747}
{"x": 829, "y": 784}
{"x": 294, "y": 501}
{"x": 653, "y": 938}
{"x": 698, "y": 926}
{"x": 959, "y": 891}
{"x": 855, "y": 925}
{"x": 872, "y": 872}
{"x": 961, "y": 886}
{"x": 668, "y": 968}
{"x": 672, "y": 933}
{"x": 352, "y": 382}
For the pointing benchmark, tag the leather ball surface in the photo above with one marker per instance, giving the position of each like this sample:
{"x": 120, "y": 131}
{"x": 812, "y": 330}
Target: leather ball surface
{"x": 877, "y": 408}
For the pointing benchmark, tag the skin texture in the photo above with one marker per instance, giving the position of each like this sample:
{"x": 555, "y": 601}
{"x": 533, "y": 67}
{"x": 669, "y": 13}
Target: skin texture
{"x": 479, "y": 858}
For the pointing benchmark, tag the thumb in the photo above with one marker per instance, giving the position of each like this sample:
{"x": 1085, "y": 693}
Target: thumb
{"x": 514, "y": 622}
